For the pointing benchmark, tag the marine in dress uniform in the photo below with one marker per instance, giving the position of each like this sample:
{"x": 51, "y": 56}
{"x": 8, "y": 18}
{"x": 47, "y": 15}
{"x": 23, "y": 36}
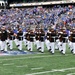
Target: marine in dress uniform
{"x": 11, "y": 37}
{"x": 56, "y": 40}
{"x": 41, "y": 39}
{"x": 37, "y": 37}
{"x": 31, "y": 39}
{"x": 73, "y": 40}
{"x": 24, "y": 38}
{"x": 47, "y": 41}
{"x": 52, "y": 40}
{"x": 15, "y": 34}
{"x": 63, "y": 38}
{"x": 27, "y": 37}
{"x": 70, "y": 44}
{"x": 3, "y": 37}
{"x": 60, "y": 39}
{"x": 20, "y": 38}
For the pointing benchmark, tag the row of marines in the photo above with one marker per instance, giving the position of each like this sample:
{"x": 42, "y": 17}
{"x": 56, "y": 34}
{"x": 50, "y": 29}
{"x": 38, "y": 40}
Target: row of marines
{"x": 52, "y": 38}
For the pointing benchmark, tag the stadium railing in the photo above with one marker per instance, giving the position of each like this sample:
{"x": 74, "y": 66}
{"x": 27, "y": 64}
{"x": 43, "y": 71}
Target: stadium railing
{"x": 41, "y": 3}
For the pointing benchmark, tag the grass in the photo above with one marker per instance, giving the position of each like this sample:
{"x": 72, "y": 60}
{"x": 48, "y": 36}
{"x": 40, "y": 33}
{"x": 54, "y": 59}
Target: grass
{"x": 38, "y": 64}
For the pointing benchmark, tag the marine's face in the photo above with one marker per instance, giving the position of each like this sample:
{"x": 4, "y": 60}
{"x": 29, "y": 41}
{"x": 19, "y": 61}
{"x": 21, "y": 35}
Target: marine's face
{"x": 3, "y": 28}
{"x": 20, "y": 29}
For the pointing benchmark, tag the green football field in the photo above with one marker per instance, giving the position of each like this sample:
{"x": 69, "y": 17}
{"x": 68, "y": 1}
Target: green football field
{"x": 38, "y": 64}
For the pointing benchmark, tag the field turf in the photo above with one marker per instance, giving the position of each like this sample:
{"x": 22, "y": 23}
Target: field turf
{"x": 38, "y": 64}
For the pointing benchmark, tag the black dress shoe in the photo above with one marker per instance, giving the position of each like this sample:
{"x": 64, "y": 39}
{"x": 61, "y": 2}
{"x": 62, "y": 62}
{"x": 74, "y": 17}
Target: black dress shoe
{"x": 18, "y": 45}
{"x": 2, "y": 50}
{"x": 8, "y": 45}
{"x": 10, "y": 49}
{"x": 63, "y": 53}
{"x": 72, "y": 51}
{"x": 39, "y": 48}
{"x": 29, "y": 49}
{"x": 26, "y": 45}
{"x": 61, "y": 50}
{"x": 5, "y": 52}
{"x": 42, "y": 52}
{"x": 49, "y": 50}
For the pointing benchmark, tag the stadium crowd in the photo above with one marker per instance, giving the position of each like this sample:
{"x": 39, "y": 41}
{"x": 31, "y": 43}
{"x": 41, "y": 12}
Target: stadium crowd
{"x": 56, "y": 15}
{"x": 16, "y": 24}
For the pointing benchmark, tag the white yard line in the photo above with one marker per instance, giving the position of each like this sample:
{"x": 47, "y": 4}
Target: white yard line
{"x": 43, "y": 56}
{"x": 37, "y": 68}
{"x": 37, "y": 73}
{"x": 22, "y": 66}
{"x": 54, "y": 70}
{"x": 8, "y": 64}
{"x": 71, "y": 74}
